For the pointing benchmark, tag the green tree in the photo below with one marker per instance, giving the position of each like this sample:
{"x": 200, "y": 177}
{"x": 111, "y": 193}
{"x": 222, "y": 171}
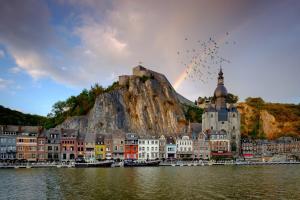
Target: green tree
{"x": 231, "y": 98}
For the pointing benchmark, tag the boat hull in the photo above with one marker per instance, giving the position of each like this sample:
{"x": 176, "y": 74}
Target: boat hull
{"x": 93, "y": 165}
{"x": 142, "y": 164}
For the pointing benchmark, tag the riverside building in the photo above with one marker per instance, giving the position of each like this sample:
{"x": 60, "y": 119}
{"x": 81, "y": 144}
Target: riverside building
{"x": 148, "y": 148}
{"x": 170, "y": 148}
{"x": 53, "y": 145}
{"x": 41, "y": 147}
{"x": 131, "y": 146}
{"x": 27, "y": 146}
{"x": 118, "y": 143}
{"x": 100, "y": 147}
{"x": 68, "y": 144}
{"x": 162, "y": 147}
{"x": 184, "y": 146}
{"x": 201, "y": 146}
{"x": 8, "y": 143}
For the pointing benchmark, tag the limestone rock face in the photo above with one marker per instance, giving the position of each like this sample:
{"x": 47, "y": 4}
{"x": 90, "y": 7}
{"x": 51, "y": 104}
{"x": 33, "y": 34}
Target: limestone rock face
{"x": 144, "y": 103}
{"x": 271, "y": 127}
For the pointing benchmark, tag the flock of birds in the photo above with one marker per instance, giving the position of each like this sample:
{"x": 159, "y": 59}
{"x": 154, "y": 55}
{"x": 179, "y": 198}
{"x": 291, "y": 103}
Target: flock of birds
{"x": 203, "y": 61}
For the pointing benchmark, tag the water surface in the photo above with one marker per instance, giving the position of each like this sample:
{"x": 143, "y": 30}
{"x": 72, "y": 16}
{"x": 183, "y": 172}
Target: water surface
{"x": 209, "y": 182}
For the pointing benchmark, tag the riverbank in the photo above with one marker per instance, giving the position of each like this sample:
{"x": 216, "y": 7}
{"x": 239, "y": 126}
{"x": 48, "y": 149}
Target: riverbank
{"x": 162, "y": 164}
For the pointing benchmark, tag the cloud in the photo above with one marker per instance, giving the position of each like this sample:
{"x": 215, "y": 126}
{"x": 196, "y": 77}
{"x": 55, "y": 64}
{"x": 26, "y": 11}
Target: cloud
{"x": 4, "y": 84}
{"x": 2, "y": 54}
{"x": 95, "y": 41}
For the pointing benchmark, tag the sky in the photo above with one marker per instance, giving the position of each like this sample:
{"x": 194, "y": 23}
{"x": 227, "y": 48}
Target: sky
{"x": 50, "y": 50}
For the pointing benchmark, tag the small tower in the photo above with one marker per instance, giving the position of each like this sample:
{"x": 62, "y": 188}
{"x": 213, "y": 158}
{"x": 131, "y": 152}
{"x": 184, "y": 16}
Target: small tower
{"x": 220, "y": 92}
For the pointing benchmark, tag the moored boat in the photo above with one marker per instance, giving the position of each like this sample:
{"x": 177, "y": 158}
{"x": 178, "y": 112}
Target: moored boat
{"x": 134, "y": 163}
{"x": 106, "y": 163}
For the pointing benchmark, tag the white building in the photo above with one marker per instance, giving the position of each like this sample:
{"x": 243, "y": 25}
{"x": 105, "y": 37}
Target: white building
{"x": 184, "y": 146}
{"x": 148, "y": 149}
{"x": 221, "y": 117}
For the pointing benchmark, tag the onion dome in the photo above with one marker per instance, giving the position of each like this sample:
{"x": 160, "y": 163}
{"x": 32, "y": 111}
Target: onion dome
{"x": 221, "y": 90}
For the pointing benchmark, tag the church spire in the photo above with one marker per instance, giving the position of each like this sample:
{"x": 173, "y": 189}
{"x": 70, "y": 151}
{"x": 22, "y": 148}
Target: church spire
{"x": 220, "y": 92}
{"x": 221, "y": 78}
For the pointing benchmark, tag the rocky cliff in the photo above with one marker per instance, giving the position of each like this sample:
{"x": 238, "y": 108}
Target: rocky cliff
{"x": 143, "y": 103}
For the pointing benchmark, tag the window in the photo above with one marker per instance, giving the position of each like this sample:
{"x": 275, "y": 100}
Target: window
{"x": 212, "y": 128}
{"x": 211, "y": 115}
{"x": 49, "y": 148}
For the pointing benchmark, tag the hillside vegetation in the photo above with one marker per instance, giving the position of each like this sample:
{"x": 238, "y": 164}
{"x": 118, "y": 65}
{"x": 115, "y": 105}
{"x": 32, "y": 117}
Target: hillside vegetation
{"x": 261, "y": 119}
{"x": 76, "y": 105}
{"x": 13, "y": 117}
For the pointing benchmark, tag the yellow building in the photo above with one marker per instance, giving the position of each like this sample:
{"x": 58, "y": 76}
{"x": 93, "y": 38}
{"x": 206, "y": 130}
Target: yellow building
{"x": 100, "y": 147}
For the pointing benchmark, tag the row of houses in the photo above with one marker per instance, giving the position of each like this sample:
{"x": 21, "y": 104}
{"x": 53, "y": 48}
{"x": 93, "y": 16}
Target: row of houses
{"x": 35, "y": 144}
{"x": 264, "y": 150}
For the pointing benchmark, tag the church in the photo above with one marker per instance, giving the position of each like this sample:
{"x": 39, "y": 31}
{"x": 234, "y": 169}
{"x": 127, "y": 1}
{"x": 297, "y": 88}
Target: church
{"x": 221, "y": 123}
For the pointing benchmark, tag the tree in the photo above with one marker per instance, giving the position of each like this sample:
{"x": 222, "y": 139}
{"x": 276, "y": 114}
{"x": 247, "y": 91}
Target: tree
{"x": 231, "y": 98}
{"x": 256, "y": 102}
{"x": 58, "y": 108}
{"x": 194, "y": 114}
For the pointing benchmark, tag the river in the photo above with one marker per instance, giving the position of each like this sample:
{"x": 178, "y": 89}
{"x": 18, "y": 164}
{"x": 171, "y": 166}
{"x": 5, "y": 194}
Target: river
{"x": 208, "y": 182}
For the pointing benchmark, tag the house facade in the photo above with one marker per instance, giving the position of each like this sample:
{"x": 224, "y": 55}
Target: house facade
{"x": 53, "y": 146}
{"x": 27, "y": 146}
{"x": 108, "y": 146}
{"x": 148, "y": 148}
{"x": 100, "y": 147}
{"x": 118, "y": 139}
{"x": 184, "y": 147}
{"x": 162, "y": 147}
{"x": 8, "y": 143}
{"x": 68, "y": 144}
{"x": 131, "y": 147}
{"x": 41, "y": 147}
{"x": 201, "y": 147}
{"x": 170, "y": 148}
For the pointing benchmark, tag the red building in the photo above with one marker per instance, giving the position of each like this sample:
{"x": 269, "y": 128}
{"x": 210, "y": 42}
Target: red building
{"x": 131, "y": 147}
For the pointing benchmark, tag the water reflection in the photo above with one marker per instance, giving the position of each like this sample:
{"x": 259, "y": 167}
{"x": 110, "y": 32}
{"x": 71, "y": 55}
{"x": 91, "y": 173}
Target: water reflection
{"x": 211, "y": 182}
